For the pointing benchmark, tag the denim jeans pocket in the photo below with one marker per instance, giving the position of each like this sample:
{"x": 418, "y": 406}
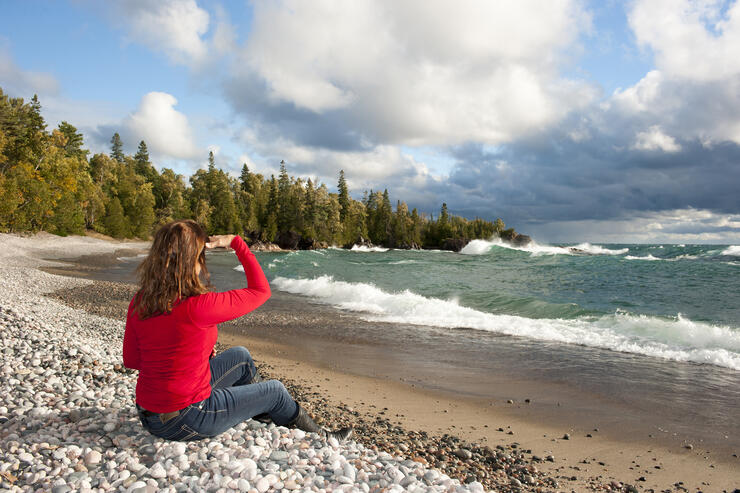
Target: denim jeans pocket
{"x": 184, "y": 433}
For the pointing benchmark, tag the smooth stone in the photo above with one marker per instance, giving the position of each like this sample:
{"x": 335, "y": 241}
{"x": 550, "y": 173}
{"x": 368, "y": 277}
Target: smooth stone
{"x": 157, "y": 471}
{"x": 92, "y": 457}
{"x": 279, "y": 455}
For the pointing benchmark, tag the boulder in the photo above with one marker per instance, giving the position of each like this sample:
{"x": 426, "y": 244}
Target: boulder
{"x": 288, "y": 240}
{"x": 260, "y": 246}
{"x": 311, "y": 244}
{"x": 454, "y": 244}
{"x": 521, "y": 240}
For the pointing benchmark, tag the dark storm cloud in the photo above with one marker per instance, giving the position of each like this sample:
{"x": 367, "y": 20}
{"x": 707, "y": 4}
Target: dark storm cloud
{"x": 553, "y": 178}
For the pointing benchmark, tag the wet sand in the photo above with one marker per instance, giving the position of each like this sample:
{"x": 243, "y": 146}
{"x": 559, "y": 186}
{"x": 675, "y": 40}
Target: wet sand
{"x": 328, "y": 361}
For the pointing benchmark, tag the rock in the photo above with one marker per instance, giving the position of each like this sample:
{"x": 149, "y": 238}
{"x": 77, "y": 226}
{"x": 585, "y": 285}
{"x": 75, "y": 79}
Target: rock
{"x": 454, "y": 244}
{"x": 566, "y": 436}
{"x": 463, "y": 454}
{"x": 288, "y": 240}
{"x": 278, "y": 455}
{"x": 92, "y": 457}
{"x": 157, "y": 471}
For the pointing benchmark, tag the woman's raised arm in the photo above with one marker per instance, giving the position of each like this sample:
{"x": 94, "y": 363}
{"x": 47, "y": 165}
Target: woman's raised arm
{"x": 213, "y": 308}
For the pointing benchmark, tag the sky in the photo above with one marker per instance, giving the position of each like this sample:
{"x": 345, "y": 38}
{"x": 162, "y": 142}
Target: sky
{"x": 600, "y": 121}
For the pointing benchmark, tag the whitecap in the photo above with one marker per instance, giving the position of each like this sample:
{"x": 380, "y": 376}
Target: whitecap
{"x": 481, "y": 247}
{"x": 675, "y": 338}
{"x": 733, "y": 250}
{"x": 366, "y": 249}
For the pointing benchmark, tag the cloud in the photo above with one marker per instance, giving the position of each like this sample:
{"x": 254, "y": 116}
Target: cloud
{"x": 654, "y": 139}
{"x": 23, "y": 83}
{"x": 173, "y": 27}
{"x": 673, "y": 226}
{"x": 693, "y": 40}
{"x": 415, "y": 73}
{"x": 694, "y": 91}
{"x": 165, "y": 130}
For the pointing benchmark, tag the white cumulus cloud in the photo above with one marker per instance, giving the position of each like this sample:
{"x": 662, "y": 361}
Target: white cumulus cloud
{"x": 693, "y": 39}
{"x": 653, "y": 139}
{"x": 166, "y": 131}
{"x": 415, "y": 72}
{"x": 174, "y": 27}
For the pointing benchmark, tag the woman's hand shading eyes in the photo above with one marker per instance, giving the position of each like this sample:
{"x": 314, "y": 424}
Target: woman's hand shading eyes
{"x": 222, "y": 241}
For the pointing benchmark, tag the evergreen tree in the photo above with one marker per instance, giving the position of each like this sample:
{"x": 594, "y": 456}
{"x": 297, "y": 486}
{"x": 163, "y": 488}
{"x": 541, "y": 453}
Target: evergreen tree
{"x": 141, "y": 159}
{"x": 343, "y": 196}
{"x": 284, "y": 214}
{"x": 115, "y": 223}
{"x": 244, "y": 179}
{"x": 116, "y": 148}
{"x": 74, "y": 141}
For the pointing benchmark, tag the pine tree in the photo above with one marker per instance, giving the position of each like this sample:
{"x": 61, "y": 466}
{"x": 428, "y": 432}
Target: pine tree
{"x": 116, "y": 225}
{"x": 244, "y": 179}
{"x": 74, "y": 141}
{"x": 141, "y": 159}
{"x": 284, "y": 214}
{"x": 116, "y": 149}
{"x": 343, "y": 196}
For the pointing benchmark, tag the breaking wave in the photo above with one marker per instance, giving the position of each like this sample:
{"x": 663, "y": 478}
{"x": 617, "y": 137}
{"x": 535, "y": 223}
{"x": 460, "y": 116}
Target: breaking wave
{"x": 481, "y": 247}
{"x": 677, "y": 338}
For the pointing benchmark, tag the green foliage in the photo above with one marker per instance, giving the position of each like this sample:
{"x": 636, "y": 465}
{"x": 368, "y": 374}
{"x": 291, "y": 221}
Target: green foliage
{"x": 115, "y": 223}
{"x": 116, "y": 148}
{"x": 48, "y": 183}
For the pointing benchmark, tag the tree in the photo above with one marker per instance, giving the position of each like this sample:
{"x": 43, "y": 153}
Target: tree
{"x": 74, "y": 141}
{"x": 244, "y": 179}
{"x": 343, "y": 196}
{"x": 116, "y": 148}
{"x": 284, "y": 214}
{"x": 116, "y": 225}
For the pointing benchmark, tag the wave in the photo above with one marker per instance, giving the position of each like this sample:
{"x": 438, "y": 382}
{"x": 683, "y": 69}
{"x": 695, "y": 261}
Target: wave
{"x": 481, "y": 247}
{"x": 676, "y": 339}
{"x": 137, "y": 257}
{"x": 365, "y": 249}
{"x": 403, "y": 262}
{"x": 648, "y": 257}
{"x": 733, "y": 250}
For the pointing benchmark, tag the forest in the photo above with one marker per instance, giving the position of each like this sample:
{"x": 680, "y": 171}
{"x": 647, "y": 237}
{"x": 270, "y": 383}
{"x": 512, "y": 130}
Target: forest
{"x": 49, "y": 182}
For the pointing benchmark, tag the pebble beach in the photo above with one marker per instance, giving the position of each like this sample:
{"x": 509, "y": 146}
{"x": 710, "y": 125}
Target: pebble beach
{"x": 68, "y": 421}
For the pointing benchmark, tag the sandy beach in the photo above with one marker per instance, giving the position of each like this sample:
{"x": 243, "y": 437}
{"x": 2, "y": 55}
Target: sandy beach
{"x": 502, "y": 445}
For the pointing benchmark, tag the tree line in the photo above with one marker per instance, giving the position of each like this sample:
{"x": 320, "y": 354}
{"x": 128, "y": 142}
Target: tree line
{"x": 49, "y": 182}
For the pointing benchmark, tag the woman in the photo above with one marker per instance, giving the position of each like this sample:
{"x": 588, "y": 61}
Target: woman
{"x": 184, "y": 392}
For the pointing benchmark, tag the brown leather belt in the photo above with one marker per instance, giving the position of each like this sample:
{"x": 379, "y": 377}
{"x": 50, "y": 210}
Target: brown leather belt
{"x": 163, "y": 416}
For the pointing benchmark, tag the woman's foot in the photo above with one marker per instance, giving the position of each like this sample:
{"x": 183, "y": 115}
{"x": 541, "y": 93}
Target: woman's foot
{"x": 304, "y": 422}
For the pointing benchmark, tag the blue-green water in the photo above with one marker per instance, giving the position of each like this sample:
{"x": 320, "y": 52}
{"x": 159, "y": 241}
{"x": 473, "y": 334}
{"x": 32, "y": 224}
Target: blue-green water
{"x": 675, "y": 302}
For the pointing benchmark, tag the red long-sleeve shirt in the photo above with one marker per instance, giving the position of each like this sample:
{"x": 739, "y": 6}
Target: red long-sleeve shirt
{"x": 171, "y": 351}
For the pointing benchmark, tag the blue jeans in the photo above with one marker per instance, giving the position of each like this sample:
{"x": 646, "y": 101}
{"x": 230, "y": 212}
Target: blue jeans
{"x": 233, "y": 399}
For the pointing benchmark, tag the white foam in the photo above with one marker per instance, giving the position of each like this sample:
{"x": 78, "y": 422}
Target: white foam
{"x": 648, "y": 257}
{"x": 366, "y": 249}
{"x": 137, "y": 257}
{"x": 481, "y": 247}
{"x": 733, "y": 250}
{"x": 677, "y": 339}
{"x": 402, "y": 262}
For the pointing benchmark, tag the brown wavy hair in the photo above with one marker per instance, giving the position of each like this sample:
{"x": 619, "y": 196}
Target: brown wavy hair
{"x": 168, "y": 273}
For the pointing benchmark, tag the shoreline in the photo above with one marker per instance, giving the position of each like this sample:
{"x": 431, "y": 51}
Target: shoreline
{"x": 470, "y": 415}
{"x": 69, "y": 422}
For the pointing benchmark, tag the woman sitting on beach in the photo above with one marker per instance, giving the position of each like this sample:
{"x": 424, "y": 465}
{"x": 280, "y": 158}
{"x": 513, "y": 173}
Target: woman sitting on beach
{"x": 184, "y": 392}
